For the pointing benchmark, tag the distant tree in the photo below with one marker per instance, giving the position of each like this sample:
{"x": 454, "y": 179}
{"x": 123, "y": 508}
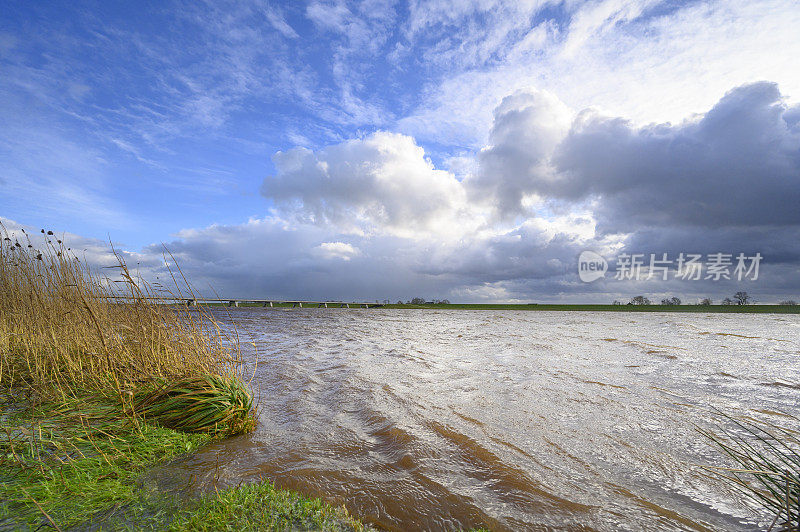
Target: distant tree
{"x": 671, "y": 301}
{"x": 727, "y": 301}
{"x": 399, "y": 302}
{"x": 617, "y": 302}
{"x": 418, "y": 301}
{"x": 790, "y": 302}
{"x": 640, "y": 300}
{"x": 705, "y": 302}
{"x": 445, "y": 301}
{"x": 741, "y": 298}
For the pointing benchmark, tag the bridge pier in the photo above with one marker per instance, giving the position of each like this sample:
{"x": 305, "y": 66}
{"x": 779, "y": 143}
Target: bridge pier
{"x": 194, "y": 302}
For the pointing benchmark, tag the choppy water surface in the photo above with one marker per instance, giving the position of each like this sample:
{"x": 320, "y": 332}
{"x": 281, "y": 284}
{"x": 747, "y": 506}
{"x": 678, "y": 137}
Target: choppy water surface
{"x": 510, "y": 419}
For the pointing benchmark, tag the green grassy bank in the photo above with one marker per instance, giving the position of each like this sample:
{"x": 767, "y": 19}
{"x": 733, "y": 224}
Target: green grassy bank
{"x": 93, "y": 394}
{"x": 62, "y": 466}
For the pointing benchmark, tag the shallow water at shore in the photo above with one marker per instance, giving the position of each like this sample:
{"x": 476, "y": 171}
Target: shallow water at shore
{"x": 427, "y": 419}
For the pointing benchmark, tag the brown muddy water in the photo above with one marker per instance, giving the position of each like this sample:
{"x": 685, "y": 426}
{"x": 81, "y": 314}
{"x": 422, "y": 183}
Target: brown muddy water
{"x": 513, "y": 420}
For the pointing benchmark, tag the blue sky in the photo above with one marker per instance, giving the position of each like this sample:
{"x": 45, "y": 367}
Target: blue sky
{"x": 387, "y": 149}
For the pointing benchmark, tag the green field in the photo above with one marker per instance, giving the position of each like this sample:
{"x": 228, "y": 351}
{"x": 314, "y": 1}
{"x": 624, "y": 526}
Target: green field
{"x": 746, "y": 309}
{"x": 740, "y": 309}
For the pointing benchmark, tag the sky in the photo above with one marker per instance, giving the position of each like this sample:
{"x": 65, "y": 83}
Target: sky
{"x": 467, "y": 150}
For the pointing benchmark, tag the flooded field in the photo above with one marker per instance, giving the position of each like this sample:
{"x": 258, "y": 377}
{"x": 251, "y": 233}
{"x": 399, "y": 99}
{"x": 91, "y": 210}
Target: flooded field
{"x": 514, "y": 420}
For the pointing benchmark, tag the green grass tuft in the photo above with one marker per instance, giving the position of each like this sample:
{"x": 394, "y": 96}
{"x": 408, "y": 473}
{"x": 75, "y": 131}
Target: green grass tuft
{"x": 208, "y": 403}
{"x": 263, "y": 507}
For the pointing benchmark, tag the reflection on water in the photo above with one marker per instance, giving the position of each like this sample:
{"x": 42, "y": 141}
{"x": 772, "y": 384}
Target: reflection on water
{"x": 508, "y": 419}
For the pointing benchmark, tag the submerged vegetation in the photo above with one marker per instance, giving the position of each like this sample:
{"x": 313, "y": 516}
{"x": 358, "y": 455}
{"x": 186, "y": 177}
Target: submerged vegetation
{"x": 71, "y": 465}
{"x": 99, "y": 380}
{"x": 63, "y": 465}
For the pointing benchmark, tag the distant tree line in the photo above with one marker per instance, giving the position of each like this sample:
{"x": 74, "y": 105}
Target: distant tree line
{"x": 739, "y": 298}
{"x": 423, "y": 301}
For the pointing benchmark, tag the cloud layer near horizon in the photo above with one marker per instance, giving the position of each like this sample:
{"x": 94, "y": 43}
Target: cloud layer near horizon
{"x": 373, "y": 218}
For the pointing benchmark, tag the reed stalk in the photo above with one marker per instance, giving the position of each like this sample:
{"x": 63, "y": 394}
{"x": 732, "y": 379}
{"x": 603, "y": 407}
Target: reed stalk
{"x": 67, "y": 331}
{"x": 766, "y": 459}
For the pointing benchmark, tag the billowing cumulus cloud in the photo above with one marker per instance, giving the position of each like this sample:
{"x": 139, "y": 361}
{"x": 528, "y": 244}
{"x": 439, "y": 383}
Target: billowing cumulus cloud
{"x": 373, "y": 217}
{"x": 376, "y": 215}
{"x": 527, "y": 127}
{"x": 381, "y": 183}
{"x": 736, "y": 165}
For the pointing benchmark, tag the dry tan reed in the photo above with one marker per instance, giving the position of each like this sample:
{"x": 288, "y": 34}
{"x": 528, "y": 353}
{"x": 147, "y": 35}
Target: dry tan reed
{"x": 67, "y": 329}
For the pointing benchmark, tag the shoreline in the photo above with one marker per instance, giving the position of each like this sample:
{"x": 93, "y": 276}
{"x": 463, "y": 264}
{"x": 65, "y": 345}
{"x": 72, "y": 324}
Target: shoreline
{"x": 710, "y": 309}
{"x": 61, "y": 473}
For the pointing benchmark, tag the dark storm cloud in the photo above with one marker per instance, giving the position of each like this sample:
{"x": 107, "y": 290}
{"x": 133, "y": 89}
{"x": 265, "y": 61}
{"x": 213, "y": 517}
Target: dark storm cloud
{"x": 737, "y": 166}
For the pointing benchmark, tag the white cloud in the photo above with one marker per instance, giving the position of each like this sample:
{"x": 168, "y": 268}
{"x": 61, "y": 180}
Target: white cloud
{"x": 382, "y": 183}
{"x": 624, "y": 57}
{"x": 554, "y": 177}
{"x": 336, "y": 250}
{"x": 279, "y": 23}
{"x": 597, "y": 19}
{"x": 527, "y": 127}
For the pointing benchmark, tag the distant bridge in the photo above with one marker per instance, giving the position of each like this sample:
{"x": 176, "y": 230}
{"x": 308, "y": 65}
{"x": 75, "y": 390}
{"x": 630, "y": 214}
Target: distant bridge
{"x": 294, "y": 303}
{"x": 235, "y": 302}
